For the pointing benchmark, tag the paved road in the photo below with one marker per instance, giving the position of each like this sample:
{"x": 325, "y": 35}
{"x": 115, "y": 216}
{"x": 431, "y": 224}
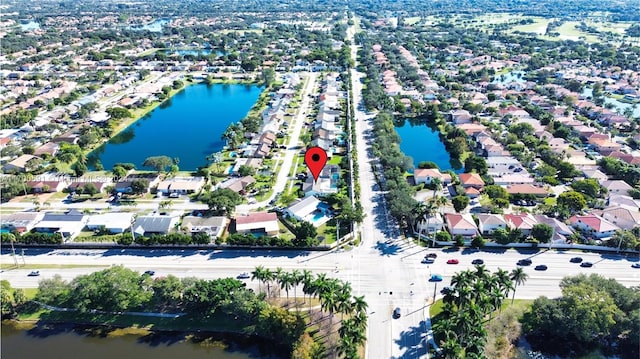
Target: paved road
{"x": 292, "y": 146}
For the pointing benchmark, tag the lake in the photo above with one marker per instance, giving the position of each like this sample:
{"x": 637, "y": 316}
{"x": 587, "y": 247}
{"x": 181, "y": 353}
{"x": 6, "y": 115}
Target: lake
{"x": 422, "y": 143}
{"x": 155, "y": 26}
{"x": 60, "y": 342}
{"x": 618, "y": 106}
{"x": 188, "y": 126}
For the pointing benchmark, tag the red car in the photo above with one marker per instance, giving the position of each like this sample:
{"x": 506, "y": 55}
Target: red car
{"x": 452, "y": 261}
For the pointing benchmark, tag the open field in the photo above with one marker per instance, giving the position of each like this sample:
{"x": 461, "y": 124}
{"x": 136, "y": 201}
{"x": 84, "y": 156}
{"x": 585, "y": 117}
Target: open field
{"x": 538, "y": 27}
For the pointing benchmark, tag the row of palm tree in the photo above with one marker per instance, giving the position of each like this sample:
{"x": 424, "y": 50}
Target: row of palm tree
{"x": 473, "y": 299}
{"x": 335, "y": 297}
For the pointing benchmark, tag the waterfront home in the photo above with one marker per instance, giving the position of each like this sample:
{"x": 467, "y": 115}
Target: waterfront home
{"x": 427, "y": 175}
{"x": 20, "y": 222}
{"x": 181, "y": 185}
{"x": 23, "y": 163}
{"x": 213, "y": 226}
{"x": 461, "y": 224}
{"x": 255, "y": 163}
{"x": 460, "y": 116}
{"x": 594, "y": 225}
{"x": 148, "y": 225}
{"x": 114, "y": 222}
{"x": 68, "y": 224}
{"x": 259, "y": 223}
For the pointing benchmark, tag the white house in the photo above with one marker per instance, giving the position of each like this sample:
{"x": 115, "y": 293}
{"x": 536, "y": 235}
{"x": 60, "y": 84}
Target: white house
{"x": 213, "y": 226}
{"x": 488, "y": 223}
{"x": 69, "y": 224}
{"x": 426, "y": 175}
{"x": 302, "y": 208}
{"x": 432, "y": 225}
{"x": 260, "y": 223}
{"x": 114, "y": 222}
{"x": 594, "y": 225}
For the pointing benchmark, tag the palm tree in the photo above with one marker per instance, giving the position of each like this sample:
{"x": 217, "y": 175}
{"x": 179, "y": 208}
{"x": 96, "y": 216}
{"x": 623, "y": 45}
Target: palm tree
{"x": 343, "y": 303}
{"x": 518, "y": 276}
{"x": 259, "y": 275}
{"x": 360, "y": 320}
{"x": 269, "y": 275}
{"x": 277, "y": 275}
{"x": 504, "y": 281}
{"x": 296, "y": 279}
{"x": 359, "y": 305}
{"x": 286, "y": 282}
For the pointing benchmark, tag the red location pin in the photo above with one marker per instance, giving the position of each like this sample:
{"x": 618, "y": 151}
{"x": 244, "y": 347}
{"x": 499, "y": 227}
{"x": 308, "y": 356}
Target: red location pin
{"x": 315, "y": 158}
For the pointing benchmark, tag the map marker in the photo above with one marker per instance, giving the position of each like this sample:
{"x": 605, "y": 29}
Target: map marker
{"x": 315, "y": 158}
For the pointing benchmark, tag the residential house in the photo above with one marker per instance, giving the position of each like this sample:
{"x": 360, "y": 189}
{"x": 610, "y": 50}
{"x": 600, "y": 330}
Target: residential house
{"x": 560, "y": 230}
{"x": 513, "y": 179}
{"x": 181, "y": 185}
{"x": 432, "y": 224}
{"x": 260, "y": 223}
{"x": 471, "y": 180}
{"x": 622, "y": 216}
{"x": 460, "y": 116}
{"x": 594, "y": 225}
{"x": 148, "y": 225}
{"x": 213, "y": 226}
{"x": 124, "y": 186}
{"x": 617, "y": 187}
{"x": 49, "y": 148}
{"x": 522, "y": 221}
{"x": 238, "y": 185}
{"x": 100, "y": 185}
{"x": 255, "y": 163}
{"x": 23, "y": 163}
{"x": 302, "y": 208}
{"x": 461, "y": 224}
{"x": 113, "y": 222}
{"x": 46, "y": 186}
{"x": 426, "y": 175}
{"x": 69, "y": 224}
{"x": 524, "y": 189}
{"x": 488, "y": 223}
{"x": 327, "y": 182}
{"x": 20, "y": 222}
{"x": 623, "y": 200}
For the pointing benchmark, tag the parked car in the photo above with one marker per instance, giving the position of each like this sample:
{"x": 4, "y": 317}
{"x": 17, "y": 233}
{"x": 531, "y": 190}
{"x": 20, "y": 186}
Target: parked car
{"x": 431, "y": 255}
{"x": 428, "y": 260}
{"x": 586, "y": 264}
{"x": 397, "y": 313}
{"x": 243, "y": 275}
{"x": 453, "y": 261}
{"x": 524, "y": 262}
{"x": 576, "y": 260}
{"x": 34, "y": 273}
{"x": 541, "y": 267}
{"x": 635, "y": 265}
{"x": 477, "y": 261}
{"x": 435, "y": 278}
{"x": 150, "y": 273}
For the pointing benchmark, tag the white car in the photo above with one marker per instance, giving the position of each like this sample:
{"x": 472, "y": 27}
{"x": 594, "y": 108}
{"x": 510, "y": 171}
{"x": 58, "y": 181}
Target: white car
{"x": 244, "y": 275}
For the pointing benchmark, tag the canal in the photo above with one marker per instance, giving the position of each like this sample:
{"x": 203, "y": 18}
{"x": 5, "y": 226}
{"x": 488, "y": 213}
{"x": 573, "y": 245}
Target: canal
{"x": 63, "y": 342}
